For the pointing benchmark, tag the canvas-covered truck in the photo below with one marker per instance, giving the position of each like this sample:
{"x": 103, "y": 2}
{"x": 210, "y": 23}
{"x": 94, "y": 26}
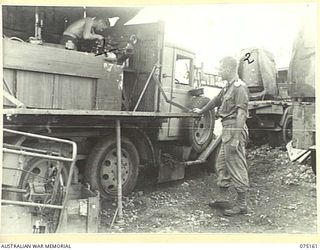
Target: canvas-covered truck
{"x": 282, "y": 102}
{"x": 145, "y": 94}
{"x": 270, "y": 105}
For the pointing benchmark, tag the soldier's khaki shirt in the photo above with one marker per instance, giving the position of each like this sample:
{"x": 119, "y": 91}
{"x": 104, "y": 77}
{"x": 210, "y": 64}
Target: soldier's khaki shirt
{"x": 232, "y": 97}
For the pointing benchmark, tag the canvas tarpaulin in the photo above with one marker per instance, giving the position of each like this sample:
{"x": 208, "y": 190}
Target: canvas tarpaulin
{"x": 301, "y": 74}
{"x": 257, "y": 69}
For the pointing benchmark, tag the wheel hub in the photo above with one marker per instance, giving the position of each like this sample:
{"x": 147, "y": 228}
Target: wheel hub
{"x": 108, "y": 172}
{"x": 202, "y": 127}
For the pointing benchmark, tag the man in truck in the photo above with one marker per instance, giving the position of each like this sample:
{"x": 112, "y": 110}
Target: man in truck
{"x": 231, "y": 166}
{"x": 84, "y": 29}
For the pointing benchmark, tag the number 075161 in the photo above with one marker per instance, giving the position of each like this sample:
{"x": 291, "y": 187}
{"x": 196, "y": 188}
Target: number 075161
{"x": 308, "y": 246}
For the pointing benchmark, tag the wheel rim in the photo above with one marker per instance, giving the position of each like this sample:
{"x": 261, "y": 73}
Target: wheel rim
{"x": 287, "y": 130}
{"x": 202, "y": 128}
{"x": 108, "y": 171}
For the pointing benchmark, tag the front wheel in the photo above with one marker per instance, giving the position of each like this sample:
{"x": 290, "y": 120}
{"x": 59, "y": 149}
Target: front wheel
{"x": 101, "y": 168}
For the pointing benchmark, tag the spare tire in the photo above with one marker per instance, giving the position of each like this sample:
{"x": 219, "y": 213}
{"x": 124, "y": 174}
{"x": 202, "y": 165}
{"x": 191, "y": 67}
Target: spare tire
{"x": 198, "y": 132}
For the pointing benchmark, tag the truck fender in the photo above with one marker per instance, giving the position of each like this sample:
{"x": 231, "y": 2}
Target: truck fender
{"x": 141, "y": 139}
{"x": 286, "y": 113}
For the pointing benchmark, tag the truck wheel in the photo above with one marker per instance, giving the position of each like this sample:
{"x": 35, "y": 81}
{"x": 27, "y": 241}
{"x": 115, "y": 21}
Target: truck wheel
{"x": 287, "y": 130}
{"x": 101, "y": 168}
{"x": 199, "y": 131}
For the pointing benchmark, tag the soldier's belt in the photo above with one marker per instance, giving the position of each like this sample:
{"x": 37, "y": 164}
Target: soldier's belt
{"x": 228, "y": 121}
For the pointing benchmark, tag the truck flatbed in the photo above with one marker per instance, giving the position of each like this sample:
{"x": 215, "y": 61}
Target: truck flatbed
{"x": 58, "y": 112}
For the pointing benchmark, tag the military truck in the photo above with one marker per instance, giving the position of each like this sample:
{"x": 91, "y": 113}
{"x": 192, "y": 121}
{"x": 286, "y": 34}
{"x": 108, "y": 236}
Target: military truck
{"x": 282, "y": 101}
{"x": 270, "y": 105}
{"x": 81, "y": 96}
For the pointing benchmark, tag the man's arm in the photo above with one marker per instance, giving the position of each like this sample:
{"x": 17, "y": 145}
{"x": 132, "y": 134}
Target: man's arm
{"x": 241, "y": 100}
{"x": 87, "y": 31}
{"x": 214, "y": 102}
{"x": 240, "y": 121}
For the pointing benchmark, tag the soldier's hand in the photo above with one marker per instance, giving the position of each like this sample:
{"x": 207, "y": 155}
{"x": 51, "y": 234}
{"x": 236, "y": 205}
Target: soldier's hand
{"x": 197, "y": 110}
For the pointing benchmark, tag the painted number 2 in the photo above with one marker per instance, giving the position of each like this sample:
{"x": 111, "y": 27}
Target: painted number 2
{"x": 247, "y": 58}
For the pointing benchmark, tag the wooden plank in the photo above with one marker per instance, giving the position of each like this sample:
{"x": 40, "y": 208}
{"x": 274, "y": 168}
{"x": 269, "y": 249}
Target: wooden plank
{"x": 8, "y": 97}
{"x": 10, "y": 77}
{"x": 147, "y": 101}
{"x": 303, "y": 130}
{"x": 34, "y": 89}
{"x": 72, "y": 92}
{"x": 108, "y": 94}
{"x": 31, "y": 57}
{"x": 110, "y": 113}
{"x": 93, "y": 215}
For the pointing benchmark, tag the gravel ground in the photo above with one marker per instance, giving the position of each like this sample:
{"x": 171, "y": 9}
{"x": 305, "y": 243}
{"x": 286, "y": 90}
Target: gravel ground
{"x": 282, "y": 199}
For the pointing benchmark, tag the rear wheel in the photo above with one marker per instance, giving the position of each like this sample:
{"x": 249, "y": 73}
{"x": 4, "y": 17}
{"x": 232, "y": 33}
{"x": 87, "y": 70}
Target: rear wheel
{"x": 101, "y": 168}
{"x": 287, "y": 130}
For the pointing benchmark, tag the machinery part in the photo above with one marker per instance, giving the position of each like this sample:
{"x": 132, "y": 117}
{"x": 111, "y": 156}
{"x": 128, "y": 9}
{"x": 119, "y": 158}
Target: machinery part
{"x": 287, "y": 129}
{"x": 44, "y": 182}
{"x": 101, "y": 168}
{"x": 16, "y": 39}
{"x": 199, "y": 131}
{"x": 39, "y": 174}
{"x": 212, "y": 159}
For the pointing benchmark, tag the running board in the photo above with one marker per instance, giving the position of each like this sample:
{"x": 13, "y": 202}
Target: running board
{"x": 205, "y": 154}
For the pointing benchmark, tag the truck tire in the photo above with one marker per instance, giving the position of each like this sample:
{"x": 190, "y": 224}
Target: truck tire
{"x": 198, "y": 132}
{"x": 101, "y": 167}
{"x": 287, "y": 130}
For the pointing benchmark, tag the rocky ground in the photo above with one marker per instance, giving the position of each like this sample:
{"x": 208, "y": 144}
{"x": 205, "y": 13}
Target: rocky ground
{"x": 282, "y": 199}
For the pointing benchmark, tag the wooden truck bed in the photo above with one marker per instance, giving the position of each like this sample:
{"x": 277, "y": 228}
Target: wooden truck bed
{"x": 86, "y": 113}
{"x": 54, "y": 78}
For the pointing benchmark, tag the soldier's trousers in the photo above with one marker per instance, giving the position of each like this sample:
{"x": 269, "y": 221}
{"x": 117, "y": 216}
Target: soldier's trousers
{"x": 232, "y": 168}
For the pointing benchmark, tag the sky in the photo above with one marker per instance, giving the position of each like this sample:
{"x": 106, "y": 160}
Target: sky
{"x": 216, "y": 30}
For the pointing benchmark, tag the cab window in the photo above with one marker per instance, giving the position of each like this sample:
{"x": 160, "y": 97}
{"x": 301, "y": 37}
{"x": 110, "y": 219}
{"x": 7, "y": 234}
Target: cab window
{"x": 183, "y": 70}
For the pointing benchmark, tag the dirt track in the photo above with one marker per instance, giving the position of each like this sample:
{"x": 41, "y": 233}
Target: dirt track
{"x": 282, "y": 199}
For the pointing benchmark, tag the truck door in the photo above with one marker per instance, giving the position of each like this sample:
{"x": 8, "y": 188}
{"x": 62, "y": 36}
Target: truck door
{"x": 177, "y": 80}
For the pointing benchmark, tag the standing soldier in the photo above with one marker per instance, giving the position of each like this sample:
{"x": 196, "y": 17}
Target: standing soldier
{"x": 231, "y": 166}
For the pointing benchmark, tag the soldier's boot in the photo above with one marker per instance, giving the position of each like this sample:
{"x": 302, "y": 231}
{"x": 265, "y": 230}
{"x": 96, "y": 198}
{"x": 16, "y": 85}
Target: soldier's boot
{"x": 222, "y": 200}
{"x": 240, "y": 206}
